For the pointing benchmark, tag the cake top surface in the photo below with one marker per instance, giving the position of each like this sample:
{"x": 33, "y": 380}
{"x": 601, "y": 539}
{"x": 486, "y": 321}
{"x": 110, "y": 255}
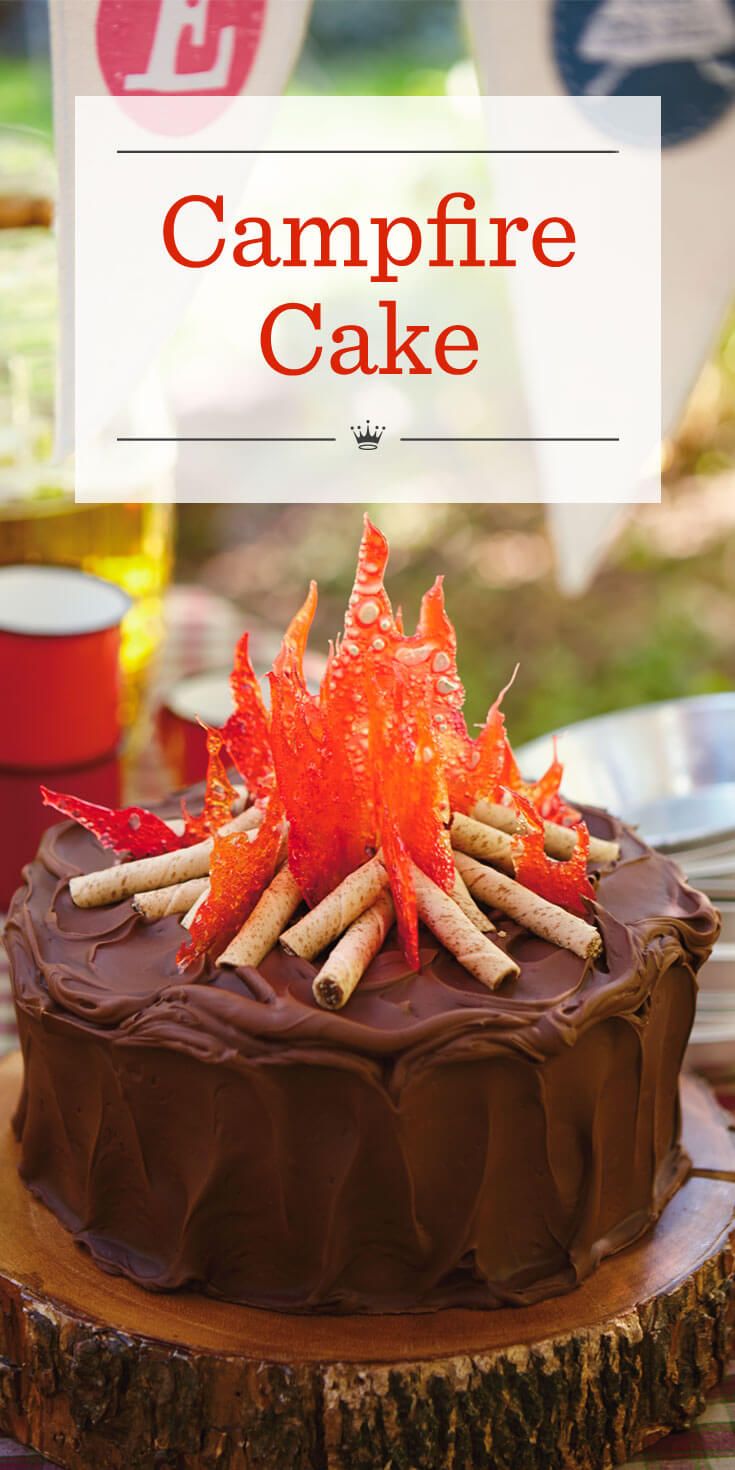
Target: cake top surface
{"x": 107, "y": 968}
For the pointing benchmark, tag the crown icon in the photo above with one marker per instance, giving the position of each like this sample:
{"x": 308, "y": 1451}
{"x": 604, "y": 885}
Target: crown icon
{"x": 370, "y": 438}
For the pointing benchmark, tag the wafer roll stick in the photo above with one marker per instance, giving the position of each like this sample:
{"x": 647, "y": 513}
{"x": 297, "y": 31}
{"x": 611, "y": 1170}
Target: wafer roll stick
{"x": 546, "y": 919}
{"x": 192, "y": 912}
{"x": 482, "y": 841}
{"x": 464, "y": 900}
{"x": 559, "y": 841}
{"x": 124, "y": 880}
{"x": 177, "y": 899}
{"x": 352, "y": 954}
{"x": 247, "y": 821}
{"x": 264, "y": 926}
{"x": 328, "y": 919}
{"x": 485, "y": 960}
{"x": 242, "y": 799}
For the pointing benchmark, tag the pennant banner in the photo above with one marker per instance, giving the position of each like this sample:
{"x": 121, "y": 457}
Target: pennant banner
{"x": 210, "y": 49}
{"x": 684, "y": 52}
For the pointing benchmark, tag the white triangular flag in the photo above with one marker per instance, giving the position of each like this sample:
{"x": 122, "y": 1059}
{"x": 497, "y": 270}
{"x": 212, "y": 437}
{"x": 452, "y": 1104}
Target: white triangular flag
{"x": 581, "y": 535}
{"x": 206, "y": 49}
{"x": 684, "y": 51}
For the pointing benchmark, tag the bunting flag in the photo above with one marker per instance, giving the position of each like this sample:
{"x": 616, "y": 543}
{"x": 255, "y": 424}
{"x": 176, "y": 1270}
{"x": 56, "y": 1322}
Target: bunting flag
{"x": 210, "y": 49}
{"x": 684, "y": 52}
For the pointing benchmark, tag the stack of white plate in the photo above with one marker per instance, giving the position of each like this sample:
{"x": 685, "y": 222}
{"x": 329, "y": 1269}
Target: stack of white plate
{"x": 669, "y": 769}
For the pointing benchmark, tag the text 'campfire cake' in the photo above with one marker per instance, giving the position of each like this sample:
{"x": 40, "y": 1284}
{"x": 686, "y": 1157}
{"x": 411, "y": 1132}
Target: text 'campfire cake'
{"x": 418, "y": 1041}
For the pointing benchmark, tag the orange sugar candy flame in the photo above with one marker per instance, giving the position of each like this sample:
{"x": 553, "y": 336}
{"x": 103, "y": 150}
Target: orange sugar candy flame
{"x": 319, "y": 778}
{"x": 242, "y": 866}
{"x": 481, "y": 767}
{"x": 377, "y": 759}
{"x": 565, "y": 883}
{"x": 411, "y": 800}
{"x": 544, "y": 794}
{"x": 219, "y": 794}
{"x": 130, "y": 830}
{"x": 247, "y": 731}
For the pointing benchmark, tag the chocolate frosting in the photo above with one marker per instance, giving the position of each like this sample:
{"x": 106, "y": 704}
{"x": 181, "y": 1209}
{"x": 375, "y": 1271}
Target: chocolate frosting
{"x": 431, "y": 1144}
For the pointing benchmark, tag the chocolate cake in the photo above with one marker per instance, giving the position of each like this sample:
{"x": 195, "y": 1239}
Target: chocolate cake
{"x": 431, "y": 1112}
{"x": 432, "y": 1144}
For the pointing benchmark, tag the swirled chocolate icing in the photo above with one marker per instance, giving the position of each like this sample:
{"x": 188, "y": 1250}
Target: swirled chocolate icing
{"x": 431, "y": 1144}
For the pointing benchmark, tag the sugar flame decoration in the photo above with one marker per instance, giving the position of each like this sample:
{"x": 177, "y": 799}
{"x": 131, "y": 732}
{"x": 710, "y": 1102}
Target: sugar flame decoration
{"x": 219, "y": 793}
{"x": 131, "y": 830}
{"x": 379, "y": 758}
{"x": 564, "y": 883}
{"x": 241, "y": 868}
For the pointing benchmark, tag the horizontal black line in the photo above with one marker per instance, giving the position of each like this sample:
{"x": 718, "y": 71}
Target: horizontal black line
{"x": 226, "y": 439}
{"x": 332, "y": 439}
{"x": 510, "y": 439}
{"x": 376, "y": 151}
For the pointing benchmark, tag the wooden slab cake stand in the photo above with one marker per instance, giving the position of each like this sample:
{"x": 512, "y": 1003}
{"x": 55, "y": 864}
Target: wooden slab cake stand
{"x": 99, "y": 1375}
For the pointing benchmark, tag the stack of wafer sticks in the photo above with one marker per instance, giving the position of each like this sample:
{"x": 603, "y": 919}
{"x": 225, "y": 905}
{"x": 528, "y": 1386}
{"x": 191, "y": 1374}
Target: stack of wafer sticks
{"x": 351, "y": 923}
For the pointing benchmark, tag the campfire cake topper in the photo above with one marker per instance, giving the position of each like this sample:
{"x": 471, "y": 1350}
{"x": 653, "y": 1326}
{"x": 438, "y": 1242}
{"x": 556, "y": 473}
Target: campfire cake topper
{"x": 363, "y": 805}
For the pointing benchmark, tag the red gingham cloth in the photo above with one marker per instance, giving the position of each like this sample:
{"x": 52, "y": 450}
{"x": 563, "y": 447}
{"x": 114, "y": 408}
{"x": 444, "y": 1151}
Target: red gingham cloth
{"x": 199, "y": 622}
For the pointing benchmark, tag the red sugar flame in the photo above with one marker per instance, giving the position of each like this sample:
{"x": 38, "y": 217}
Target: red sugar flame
{"x": 411, "y": 802}
{"x": 130, "y": 831}
{"x": 242, "y": 865}
{"x": 247, "y": 731}
{"x": 377, "y": 759}
{"x": 358, "y": 766}
{"x": 219, "y": 794}
{"x": 565, "y": 883}
{"x": 330, "y": 828}
{"x": 544, "y": 794}
{"x": 482, "y": 767}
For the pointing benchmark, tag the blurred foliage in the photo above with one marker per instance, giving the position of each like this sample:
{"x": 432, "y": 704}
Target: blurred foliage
{"x": 705, "y": 438}
{"x": 428, "y": 27}
{"x": 379, "y": 47}
{"x": 25, "y": 73}
{"x": 25, "y": 94}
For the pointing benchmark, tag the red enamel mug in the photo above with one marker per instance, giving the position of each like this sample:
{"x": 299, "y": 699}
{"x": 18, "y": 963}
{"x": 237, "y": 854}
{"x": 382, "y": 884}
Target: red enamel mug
{"x": 25, "y": 817}
{"x": 183, "y": 742}
{"x": 59, "y": 667}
